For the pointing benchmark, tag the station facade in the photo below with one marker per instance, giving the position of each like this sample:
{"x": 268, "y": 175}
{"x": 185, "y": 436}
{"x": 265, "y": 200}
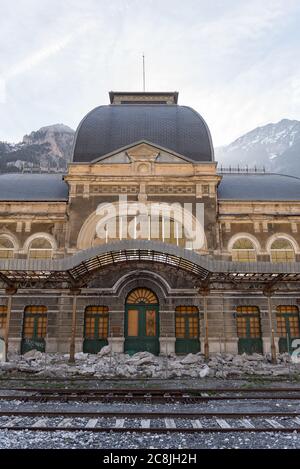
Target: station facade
{"x": 83, "y": 266}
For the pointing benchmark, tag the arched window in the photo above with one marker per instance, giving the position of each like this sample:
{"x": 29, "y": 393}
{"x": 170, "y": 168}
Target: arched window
{"x": 243, "y": 250}
{"x": 153, "y": 228}
{"x": 6, "y": 248}
{"x": 180, "y": 229}
{"x": 282, "y": 251}
{"x": 142, "y": 295}
{"x": 40, "y": 248}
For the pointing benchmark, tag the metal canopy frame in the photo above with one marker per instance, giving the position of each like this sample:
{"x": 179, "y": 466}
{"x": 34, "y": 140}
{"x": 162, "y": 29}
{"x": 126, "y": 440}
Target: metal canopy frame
{"x": 77, "y": 270}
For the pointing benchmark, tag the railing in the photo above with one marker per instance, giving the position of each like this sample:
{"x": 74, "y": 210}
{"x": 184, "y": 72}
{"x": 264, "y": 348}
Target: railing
{"x": 241, "y": 169}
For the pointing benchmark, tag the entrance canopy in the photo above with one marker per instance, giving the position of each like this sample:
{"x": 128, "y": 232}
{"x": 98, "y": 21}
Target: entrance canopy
{"x": 76, "y": 270}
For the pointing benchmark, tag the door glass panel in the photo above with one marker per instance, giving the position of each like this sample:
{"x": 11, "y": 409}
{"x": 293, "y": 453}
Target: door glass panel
{"x": 180, "y": 329}
{"x": 133, "y": 328}
{"x": 150, "y": 323}
{"x": 193, "y": 327}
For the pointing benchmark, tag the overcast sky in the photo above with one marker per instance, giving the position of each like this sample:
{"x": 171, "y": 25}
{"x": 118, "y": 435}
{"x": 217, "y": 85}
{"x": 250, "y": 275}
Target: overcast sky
{"x": 235, "y": 61}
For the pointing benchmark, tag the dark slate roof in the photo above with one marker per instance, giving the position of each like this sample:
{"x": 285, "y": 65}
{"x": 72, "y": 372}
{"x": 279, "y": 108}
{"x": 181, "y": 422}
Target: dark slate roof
{"x": 259, "y": 187}
{"x": 108, "y": 128}
{"x": 33, "y": 187}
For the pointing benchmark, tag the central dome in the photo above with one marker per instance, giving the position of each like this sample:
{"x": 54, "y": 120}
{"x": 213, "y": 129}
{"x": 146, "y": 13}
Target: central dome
{"x": 108, "y": 128}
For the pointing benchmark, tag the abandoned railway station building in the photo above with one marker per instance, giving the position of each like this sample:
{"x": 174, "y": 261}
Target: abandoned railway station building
{"x": 146, "y": 246}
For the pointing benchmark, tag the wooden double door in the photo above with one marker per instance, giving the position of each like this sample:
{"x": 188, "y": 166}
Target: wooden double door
{"x": 141, "y": 322}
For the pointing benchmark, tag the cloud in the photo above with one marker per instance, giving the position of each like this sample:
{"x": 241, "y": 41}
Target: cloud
{"x": 235, "y": 62}
{"x": 35, "y": 59}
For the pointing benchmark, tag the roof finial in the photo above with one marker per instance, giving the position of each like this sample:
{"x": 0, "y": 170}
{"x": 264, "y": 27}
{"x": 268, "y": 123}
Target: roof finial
{"x": 144, "y": 76}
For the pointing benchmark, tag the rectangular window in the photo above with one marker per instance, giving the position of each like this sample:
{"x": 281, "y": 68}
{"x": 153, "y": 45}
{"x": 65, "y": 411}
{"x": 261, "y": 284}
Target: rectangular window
{"x": 187, "y": 322}
{"x": 287, "y": 317}
{"x": 243, "y": 255}
{"x": 96, "y": 322}
{"x": 3, "y": 316}
{"x": 6, "y": 253}
{"x": 40, "y": 253}
{"x": 282, "y": 256}
{"x": 248, "y": 322}
{"x": 205, "y": 189}
{"x": 35, "y": 322}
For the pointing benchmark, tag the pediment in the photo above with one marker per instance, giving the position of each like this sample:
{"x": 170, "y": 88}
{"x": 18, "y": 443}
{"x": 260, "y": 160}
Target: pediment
{"x": 142, "y": 151}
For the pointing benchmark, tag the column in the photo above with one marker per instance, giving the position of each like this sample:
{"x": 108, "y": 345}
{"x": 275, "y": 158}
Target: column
{"x": 10, "y": 292}
{"x": 268, "y": 294}
{"x": 74, "y": 294}
{"x": 205, "y": 293}
{"x": 206, "y": 344}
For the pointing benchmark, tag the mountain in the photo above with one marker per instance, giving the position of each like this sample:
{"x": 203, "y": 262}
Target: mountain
{"x": 273, "y": 146}
{"x": 48, "y": 149}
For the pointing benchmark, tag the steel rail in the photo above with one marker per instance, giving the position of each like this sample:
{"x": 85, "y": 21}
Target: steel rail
{"x": 155, "y": 430}
{"x": 145, "y": 414}
{"x": 133, "y": 399}
{"x": 152, "y": 390}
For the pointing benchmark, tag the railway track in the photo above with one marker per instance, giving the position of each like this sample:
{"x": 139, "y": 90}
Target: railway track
{"x": 150, "y": 395}
{"x": 150, "y": 422}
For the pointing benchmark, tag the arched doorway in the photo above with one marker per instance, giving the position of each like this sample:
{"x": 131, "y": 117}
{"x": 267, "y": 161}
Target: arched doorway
{"x": 141, "y": 322}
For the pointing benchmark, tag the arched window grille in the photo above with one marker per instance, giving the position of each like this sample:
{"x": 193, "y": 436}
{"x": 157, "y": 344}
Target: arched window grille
{"x": 40, "y": 248}
{"x": 6, "y": 248}
{"x": 282, "y": 251}
{"x": 243, "y": 250}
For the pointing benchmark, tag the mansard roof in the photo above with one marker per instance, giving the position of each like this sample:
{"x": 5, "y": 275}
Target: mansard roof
{"x": 259, "y": 187}
{"x": 33, "y": 187}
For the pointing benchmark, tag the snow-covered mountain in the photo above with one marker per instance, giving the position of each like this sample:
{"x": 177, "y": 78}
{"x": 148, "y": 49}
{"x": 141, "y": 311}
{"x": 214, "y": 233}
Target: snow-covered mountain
{"x": 273, "y": 146}
{"x": 48, "y": 149}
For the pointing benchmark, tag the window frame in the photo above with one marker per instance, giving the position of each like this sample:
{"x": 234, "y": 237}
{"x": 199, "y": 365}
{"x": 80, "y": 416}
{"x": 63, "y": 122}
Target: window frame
{"x": 96, "y": 319}
{"x": 237, "y": 253}
{"x": 187, "y": 321}
{"x": 35, "y": 321}
{"x": 282, "y": 317}
{"x": 248, "y": 319}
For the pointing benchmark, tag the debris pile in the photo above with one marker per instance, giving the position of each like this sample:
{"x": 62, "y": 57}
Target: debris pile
{"x": 107, "y": 364}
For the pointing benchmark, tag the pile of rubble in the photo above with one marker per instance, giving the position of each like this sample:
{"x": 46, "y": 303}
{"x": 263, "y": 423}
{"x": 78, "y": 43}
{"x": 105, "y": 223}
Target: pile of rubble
{"x": 143, "y": 364}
